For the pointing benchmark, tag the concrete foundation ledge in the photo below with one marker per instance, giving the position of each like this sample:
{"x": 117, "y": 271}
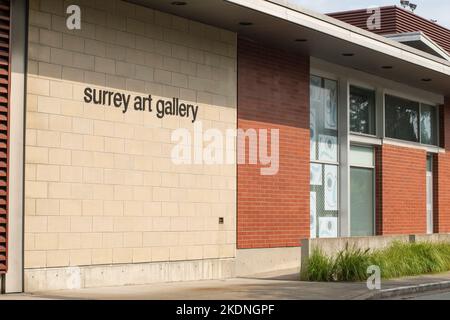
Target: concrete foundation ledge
{"x": 255, "y": 261}
{"x": 127, "y": 274}
{"x": 331, "y": 246}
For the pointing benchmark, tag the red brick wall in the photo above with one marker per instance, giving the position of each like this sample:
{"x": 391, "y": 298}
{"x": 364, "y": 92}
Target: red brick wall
{"x": 401, "y": 191}
{"x": 442, "y": 175}
{"x": 273, "y": 92}
{"x": 378, "y": 191}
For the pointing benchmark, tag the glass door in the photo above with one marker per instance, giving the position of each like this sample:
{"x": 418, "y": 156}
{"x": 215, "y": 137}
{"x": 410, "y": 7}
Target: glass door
{"x": 362, "y": 191}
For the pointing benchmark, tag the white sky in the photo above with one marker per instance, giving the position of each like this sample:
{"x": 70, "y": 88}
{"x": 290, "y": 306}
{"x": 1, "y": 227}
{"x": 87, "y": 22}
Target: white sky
{"x": 429, "y": 9}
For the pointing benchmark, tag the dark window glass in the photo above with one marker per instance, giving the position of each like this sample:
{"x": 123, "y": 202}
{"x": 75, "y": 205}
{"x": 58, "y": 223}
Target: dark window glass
{"x": 362, "y": 110}
{"x": 362, "y": 202}
{"x": 402, "y": 119}
{"x": 428, "y": 127}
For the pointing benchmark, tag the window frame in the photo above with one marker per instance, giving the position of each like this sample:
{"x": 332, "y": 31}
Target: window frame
{"x": 374, "y": 181}
{"x": 345, "y": 77}
{"x": 420, "y": 102}
{"x": 338, "y": 125}
{"x": 361, "y": 85}
{"x": 330, "y": 77}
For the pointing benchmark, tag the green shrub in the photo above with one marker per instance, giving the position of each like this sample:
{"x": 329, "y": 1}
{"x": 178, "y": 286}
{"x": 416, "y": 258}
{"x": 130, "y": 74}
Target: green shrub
{"x": 398, "y": 260}
{"x": 319, "y": 268}
{"x": 351, "y": 264}
{"x": 404, "y": 259}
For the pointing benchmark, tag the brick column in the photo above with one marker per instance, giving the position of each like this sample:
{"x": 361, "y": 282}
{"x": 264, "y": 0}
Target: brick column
{"x": 401, "y": 190}
{"x": 273, "y": 93}
{"x": 378, "y": 191}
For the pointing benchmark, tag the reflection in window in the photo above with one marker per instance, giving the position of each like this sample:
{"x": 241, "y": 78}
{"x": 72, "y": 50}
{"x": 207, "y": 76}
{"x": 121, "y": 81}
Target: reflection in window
{"x": 324, "y": 204}
{"x": 411, "y": 121}
{"x": 402, "y": 119}
{"x": 323, "y": 120}
{"x": 428, "y": 130}
{"x": 362, "y": 110}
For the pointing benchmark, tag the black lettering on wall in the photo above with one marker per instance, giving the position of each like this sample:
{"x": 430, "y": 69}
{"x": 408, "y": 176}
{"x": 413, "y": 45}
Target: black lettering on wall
{"x": 164, "y": 107}
{"x": 88, "y": 95}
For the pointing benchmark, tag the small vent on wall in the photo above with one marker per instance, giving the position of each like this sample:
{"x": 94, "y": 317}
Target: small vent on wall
{"x": 4, "y": 108}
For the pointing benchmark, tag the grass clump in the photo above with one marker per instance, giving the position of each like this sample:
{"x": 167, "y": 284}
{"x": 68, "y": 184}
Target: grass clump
{"x": 320, "y": 267}
{"x": 404, "y": 259}
{"x": 398, "y": 260}
{"x": 351, "y": 264}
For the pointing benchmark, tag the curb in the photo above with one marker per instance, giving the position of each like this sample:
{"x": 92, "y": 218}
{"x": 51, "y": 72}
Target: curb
{"x": 401, "y": 291}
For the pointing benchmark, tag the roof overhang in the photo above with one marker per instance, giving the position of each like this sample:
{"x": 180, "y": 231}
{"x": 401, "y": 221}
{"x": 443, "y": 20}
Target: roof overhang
{"x": 421, "y": 42}
{"x": 279, "y": 23}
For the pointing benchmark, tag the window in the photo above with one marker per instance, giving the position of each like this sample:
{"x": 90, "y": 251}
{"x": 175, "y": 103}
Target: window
{"x": 410, "y": 121}
{"x": 428, "y": 127}
{"x": 324, "y": 158}
{"x": 323, "y": 120}
{"x": 402, "y": 119}
{"x": 362, "y": 111}
{"x": 362, "y": 191}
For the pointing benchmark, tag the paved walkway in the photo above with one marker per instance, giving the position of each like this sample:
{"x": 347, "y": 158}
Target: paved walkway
{"x": 263, "y": 287}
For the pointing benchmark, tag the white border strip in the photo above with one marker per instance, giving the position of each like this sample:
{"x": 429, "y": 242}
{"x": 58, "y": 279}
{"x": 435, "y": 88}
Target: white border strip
{"x": 419, "y": 36}
{"x": 379, "y": 44}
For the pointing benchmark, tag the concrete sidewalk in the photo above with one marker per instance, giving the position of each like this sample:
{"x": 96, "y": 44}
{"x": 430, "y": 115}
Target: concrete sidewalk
{"x": 284, "y": 286}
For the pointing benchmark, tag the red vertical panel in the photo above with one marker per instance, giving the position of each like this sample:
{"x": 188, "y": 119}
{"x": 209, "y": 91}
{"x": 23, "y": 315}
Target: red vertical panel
{"x": 378, "y": 190}
{"x": 403, "y": 190}
{"x": 359, "y": 18}
{"x": 5, "y": 15}
{"x": 397, "y": 20}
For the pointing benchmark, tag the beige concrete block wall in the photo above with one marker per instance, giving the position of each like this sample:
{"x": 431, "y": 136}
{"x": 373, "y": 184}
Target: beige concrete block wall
{"x": 100, "y": 185}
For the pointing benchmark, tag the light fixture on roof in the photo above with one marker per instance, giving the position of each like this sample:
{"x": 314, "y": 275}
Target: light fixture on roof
{"x": 407, "y": 4}
{"x": 404, "y": 3}
{"x": 413, "y": 7}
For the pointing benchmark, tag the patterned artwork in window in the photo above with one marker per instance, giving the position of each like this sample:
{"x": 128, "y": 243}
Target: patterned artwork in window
{"x": 327, "y": 148}
{"x": 316, "y": 174}
{"x": 328, "y": 227}
{"x": 331, "y": 188}
{"x": 330, "y": 105}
